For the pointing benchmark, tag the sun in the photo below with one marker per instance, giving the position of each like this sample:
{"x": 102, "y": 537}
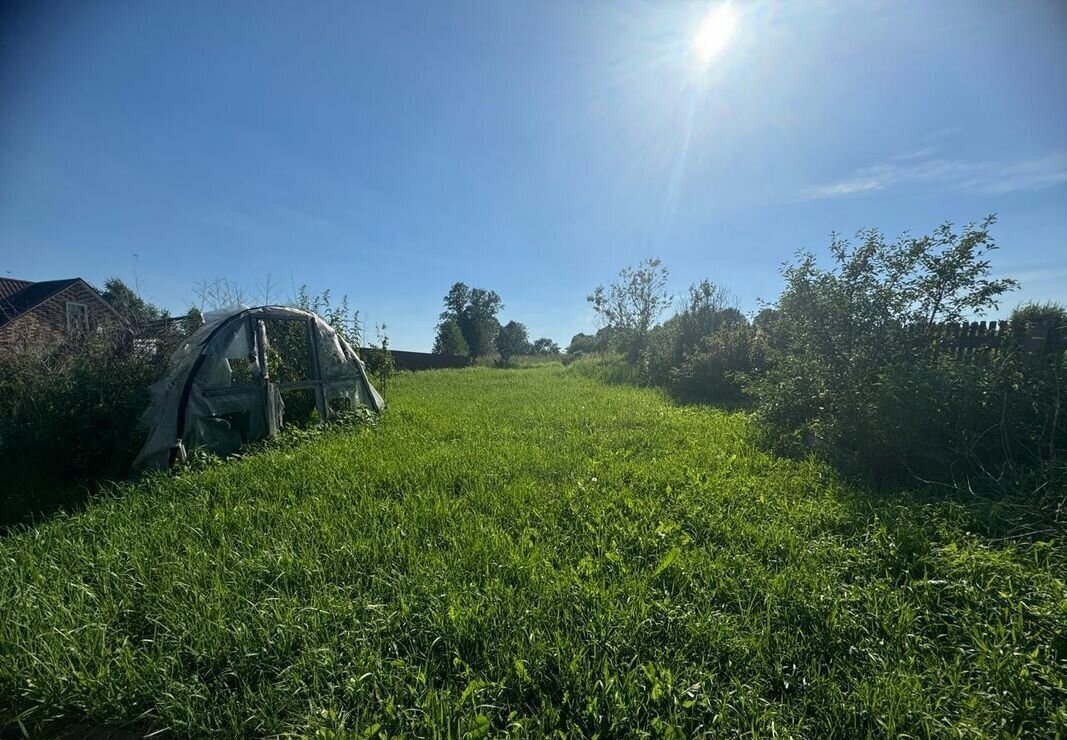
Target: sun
{"x": 714, "y": 34}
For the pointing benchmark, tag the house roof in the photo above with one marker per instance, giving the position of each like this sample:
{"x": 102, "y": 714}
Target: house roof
{"x": 30, "y": 296}
{"x": 10, "y": 286}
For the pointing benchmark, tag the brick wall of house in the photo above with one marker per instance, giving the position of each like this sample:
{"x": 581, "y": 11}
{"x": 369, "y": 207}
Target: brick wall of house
{"x": 47, "y": 323}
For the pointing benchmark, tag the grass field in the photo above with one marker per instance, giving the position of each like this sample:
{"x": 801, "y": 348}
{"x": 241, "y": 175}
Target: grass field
{"x": 529, "y": 551}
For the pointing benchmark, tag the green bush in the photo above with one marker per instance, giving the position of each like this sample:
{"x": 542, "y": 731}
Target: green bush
{"x": 719, "y": 367}
{"x": 857, "y": 370}
{"x": 73, "y": 410}
{"x": 659, "y": 355}
{"x": 702, "y": 353}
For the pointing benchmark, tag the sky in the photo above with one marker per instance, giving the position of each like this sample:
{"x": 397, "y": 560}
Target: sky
{"x": 388, "y": 150}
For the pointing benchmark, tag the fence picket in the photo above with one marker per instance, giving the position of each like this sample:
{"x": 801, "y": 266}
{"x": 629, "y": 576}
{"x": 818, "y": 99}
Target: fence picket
{"x": 974, "y": 339}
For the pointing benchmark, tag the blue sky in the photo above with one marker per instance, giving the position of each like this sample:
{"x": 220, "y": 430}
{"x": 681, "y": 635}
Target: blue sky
{"x": 388, "y": 150}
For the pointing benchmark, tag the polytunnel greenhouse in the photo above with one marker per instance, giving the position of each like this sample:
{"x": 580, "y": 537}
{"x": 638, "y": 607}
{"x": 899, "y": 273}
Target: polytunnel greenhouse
{"x": 244, "y": 375}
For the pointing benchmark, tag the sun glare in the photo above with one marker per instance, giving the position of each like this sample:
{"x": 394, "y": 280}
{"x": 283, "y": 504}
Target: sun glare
{"x": 714, "y": 34}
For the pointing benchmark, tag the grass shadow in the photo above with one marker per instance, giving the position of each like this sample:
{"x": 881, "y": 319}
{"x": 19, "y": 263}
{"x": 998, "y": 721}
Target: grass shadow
{"x": 32, "y": 495}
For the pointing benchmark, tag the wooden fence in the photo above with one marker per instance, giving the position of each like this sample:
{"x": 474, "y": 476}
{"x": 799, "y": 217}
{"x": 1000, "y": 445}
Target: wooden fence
{"x": 422, "y": 360}
{"x": 968, "y": 339}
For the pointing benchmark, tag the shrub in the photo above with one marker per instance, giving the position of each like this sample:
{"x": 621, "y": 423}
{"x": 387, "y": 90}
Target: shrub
{"x": 545, "y": 347}
{"x": 659, "y": 355}
{"x": 582, "y": 344}
{"x": 720, "y": 366}
{"x": 687, "y": 355}
{"x": 379, "y": 361}
{"x": 857, "y": 369}
{"x": 73, "y": 409}
{"x": 607, "y": 339}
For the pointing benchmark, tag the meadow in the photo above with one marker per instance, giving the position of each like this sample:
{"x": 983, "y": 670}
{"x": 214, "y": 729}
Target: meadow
{"x": 530, "y": 551}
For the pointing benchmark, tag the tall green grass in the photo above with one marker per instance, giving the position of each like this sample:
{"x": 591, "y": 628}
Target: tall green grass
{"x": 528, "y": 551}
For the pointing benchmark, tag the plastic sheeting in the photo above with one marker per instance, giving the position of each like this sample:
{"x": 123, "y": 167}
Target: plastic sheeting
{"x": 225, "y": 384}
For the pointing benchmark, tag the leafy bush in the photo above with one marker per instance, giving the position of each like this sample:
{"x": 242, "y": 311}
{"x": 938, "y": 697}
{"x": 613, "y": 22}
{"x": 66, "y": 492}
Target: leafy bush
{"x": 720, "y": 366}
{"x": 607, "y": 339}
{"x": 73, "y": 409}
{"x": 687, "y": 355}
{"x": 379, "y": 360}
{"x": 340, "y": 317}
{"x": 858, "y": 372}
{"x": 659, "y": 355}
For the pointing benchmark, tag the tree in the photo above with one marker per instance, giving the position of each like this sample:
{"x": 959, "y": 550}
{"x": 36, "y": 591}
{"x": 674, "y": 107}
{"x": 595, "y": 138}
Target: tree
{"x": 128, "y": 304}
{"x": 582, "y": 343}
{"x": 512, "y": 340}
{"x": 474, "y": 311}
{"x": 544, "y": 346}
{"x": 633, "y": 303}
{"x": 450, "y": 339}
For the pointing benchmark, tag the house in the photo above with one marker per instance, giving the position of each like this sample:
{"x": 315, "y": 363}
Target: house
{"x": 44, "y": 313}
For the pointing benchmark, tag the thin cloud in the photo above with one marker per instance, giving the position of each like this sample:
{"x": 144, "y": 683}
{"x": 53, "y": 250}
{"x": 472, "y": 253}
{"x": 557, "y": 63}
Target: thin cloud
{"x": 922, "y": 168}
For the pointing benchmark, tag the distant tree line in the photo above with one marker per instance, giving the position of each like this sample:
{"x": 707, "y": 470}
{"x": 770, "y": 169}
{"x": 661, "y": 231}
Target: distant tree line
{"x": 469, "y": 327}
{"x": 849, "y": 361}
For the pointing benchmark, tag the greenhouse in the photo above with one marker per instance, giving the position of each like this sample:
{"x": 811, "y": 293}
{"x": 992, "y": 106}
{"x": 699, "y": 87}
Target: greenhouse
{"x": 244, "y": 375}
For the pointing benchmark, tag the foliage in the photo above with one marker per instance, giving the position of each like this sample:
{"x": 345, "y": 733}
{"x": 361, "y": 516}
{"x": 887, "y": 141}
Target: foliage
{"x": 340, "y": 317}
{"x": 133, "y": 308}
{"x": 512, "y": 340}
{"x": 584, "y": 344}
{"x": 544, "y": 347}
{"x": 70, "y": 412}
{"x": 684, "y": 355}
{"x": 720, "y": 366}
{"x": 474, "y": 311}
{"x": 1031, "y": 314}
{"x": 856, "y": 368}
{"x": 530, "y": 553}
{"x": 147, "y": 320}
{"x": 633, "y": 303}
{"x": 705, "y": 310}
{"x": 450, "y": 339}
{"x": 379, "y": 360}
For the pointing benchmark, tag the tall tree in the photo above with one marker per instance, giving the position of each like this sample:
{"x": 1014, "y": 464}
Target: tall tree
{"x": 474, "y": 311}
{"x": 450, "y": 339}
{"x": 581, "y": 343}
{"x": 512, "y": 340}
{"x": 544, "y": 346}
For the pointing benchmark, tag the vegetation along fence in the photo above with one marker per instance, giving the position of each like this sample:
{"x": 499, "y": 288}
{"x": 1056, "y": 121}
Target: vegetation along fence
{"x": 968, "y": 339}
